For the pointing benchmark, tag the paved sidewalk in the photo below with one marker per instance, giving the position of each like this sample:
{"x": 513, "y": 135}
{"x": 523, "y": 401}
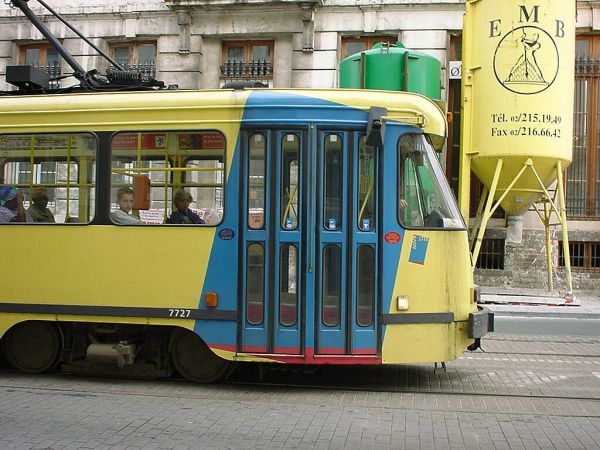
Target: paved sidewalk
{"x": 513, "y": 315}
{"x": 523, "y": 301}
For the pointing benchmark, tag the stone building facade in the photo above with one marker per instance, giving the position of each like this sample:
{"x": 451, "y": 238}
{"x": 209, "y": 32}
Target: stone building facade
{"x": 203, "y": 44}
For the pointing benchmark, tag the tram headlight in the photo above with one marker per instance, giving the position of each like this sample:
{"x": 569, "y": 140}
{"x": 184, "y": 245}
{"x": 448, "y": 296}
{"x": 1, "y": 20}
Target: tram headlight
{"x": 402, "y": 302}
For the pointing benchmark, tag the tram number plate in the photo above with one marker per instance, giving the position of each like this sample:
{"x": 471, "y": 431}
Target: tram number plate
{"x": 180, "y": 313}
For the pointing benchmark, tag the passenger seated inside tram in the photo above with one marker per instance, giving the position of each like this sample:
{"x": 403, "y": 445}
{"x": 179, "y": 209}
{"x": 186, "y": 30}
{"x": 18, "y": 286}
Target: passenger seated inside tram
{"x": 182, "y": 214}
{"x": 11, "y": 205}
{"x": 122, "y": 215}
{"x": 38, "y": 209}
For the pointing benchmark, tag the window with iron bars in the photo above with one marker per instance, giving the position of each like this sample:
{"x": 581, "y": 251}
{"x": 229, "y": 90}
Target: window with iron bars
{"x": 44, "y": 57}
{"x": 136, "y": 57}
{"x": 491, "y": 255}
{"x": 582, "y": 180}
{"x": 584, "y": 256}
{"x": 247, "y": 61}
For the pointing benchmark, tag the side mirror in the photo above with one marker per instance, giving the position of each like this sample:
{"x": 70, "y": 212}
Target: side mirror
{"x": 376, "y": 126}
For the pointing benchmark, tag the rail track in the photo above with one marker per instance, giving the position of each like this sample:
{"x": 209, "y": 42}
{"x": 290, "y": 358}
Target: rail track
{"x": 518, "y": 372}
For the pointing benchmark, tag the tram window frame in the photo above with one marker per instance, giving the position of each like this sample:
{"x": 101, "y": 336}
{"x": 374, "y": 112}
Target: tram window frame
{"x": 332, "y": 177}
{"x": 48, "y": 155}
{"x": 256, "y": 177}
{"x": 366, "y": 285}
{"x": 256, "y": 283}
{"x": 288, "y": 284}
{"x": 439, "y": 210}
{"x": 187, "y": 150}
{"x": 290, "y": 214}
{"x": 332, "y": 287}
{"x": 366, "y": 205}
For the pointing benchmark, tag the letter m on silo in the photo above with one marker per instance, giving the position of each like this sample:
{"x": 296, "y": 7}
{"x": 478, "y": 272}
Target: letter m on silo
{"x": 527, "y": 15}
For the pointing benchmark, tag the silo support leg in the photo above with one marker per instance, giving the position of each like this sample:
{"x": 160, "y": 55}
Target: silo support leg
{"x": 563, "y": 221}
{"x": 487, "y": 213}
{"x": 547, "y": 213}
{"x": 478, "y": 216}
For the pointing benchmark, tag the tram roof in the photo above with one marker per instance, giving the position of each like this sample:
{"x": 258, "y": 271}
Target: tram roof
{"x": 171, "y": 109}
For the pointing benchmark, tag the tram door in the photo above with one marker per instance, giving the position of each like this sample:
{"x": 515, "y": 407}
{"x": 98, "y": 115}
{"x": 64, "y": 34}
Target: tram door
{"x": 273, "y": 225}
{"x": 347, "y": 245}
{"x": 309, "y": 247}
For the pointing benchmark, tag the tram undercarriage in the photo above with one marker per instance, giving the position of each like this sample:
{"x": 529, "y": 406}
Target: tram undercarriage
{"x": 121, "y": 350}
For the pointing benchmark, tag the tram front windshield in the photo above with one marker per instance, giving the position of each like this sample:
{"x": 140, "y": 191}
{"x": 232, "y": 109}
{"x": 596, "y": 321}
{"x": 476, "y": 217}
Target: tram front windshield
{"x": 424, "y": 197}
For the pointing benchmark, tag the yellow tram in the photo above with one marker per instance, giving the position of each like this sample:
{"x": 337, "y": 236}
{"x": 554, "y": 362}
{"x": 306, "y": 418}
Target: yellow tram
{"x": 327, "y": 232}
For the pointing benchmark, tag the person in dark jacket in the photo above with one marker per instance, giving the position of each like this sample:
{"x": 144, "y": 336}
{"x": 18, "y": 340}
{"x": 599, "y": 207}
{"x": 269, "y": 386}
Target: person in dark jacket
{"x": 38, "y": 210}
{"x": 182, "y": 214}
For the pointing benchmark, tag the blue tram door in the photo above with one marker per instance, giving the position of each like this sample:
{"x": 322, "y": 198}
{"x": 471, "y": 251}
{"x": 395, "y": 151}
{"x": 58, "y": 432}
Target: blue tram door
{"x": 273, "y": 223}
{"x": 309, "y": 249}
{"x": 346, "y": 282}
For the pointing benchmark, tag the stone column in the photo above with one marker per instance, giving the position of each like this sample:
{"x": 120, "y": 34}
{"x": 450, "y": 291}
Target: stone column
{"x": 184, "y": 20}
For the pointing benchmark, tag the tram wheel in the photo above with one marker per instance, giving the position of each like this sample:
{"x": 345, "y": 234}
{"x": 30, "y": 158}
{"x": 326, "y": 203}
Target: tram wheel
{"x": 194, "y": 360}
{"x": 32, "y": 347}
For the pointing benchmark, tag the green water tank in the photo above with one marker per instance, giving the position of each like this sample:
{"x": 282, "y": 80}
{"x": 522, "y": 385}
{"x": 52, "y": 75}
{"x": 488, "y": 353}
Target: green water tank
{"x": 392, "y": 68}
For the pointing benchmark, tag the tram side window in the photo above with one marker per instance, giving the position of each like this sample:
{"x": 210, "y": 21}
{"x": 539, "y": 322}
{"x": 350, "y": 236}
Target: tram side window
{"x": 256, "y": 180}
{"x": 332, "y": 182}
{"x": 157, "y": 171}
{"x": 54, "y": 173}
{"x": 424, "y": 197}
{"x": 290, "y": 151}
{"x": 366, "y": 186}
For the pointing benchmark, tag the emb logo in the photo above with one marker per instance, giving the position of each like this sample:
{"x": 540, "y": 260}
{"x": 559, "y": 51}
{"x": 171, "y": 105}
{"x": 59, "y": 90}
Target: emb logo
{"x": 526, "y": 59}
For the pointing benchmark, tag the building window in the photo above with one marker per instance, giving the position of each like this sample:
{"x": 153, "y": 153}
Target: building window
{"x": 583, "y": 175}
{"x": 352, "y": 45}
{"x": 44, "y": 57}
{"x": 584, "y": 256}
{"x": 491, "y": 255}
{"x": 247, "y": 61}
{"x": 136, "y": 57}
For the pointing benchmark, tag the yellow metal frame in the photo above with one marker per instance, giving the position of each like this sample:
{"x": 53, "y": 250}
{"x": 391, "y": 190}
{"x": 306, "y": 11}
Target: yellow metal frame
{"x": 495, "y": 159}
{"x": 549, "y": 207}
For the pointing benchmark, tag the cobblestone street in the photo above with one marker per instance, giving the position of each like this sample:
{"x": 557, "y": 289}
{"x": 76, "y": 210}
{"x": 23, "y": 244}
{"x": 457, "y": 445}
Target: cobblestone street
{"x": 528, "y": 408}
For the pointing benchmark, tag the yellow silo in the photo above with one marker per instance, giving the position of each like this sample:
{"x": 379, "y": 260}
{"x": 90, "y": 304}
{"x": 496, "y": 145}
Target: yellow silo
{"x": 518, "y": 83}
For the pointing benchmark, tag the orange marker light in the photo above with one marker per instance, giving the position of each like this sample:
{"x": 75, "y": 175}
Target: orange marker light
{"x": 211, "y": 299}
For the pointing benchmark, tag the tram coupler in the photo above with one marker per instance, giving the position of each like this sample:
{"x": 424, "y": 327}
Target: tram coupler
{"x": 480, "y": 323}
